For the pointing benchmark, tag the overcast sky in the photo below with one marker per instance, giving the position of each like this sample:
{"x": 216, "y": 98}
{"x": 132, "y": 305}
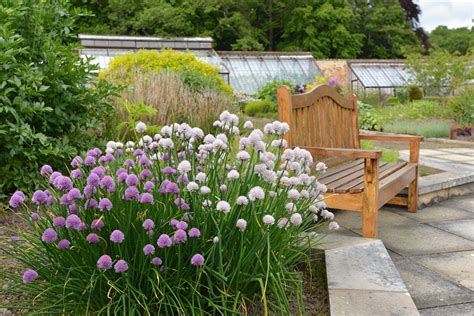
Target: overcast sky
{"x": 452, "y": 13}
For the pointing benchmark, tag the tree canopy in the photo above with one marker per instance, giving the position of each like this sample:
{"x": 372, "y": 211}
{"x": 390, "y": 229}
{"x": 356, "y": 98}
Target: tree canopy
{"x": 327, "y": 28}
{"x": 457, "y": 40}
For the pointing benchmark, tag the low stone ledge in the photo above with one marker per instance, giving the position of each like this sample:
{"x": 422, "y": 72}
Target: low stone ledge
{"x": 362, "y": 279}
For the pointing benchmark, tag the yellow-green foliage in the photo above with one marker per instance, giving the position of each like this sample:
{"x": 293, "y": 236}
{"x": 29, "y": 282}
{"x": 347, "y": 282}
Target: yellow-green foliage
{"x": 196, "y": 73}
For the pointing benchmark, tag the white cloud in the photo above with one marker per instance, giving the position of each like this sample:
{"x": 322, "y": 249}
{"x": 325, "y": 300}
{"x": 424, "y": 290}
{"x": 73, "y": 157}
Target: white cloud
{"x": 452, "y": 13}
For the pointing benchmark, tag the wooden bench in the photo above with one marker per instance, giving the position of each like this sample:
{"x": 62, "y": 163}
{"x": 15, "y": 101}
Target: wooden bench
{"x": 325, "y": 123}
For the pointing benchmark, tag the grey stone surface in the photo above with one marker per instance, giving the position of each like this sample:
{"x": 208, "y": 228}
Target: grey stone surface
{"x": 463, "y": 228}
{"x": 465, "y": 203}
{"x": 430, "y": 289}
{"x": 363, "y": 303}
{"x": 353, "y": 220}
{"x": 451, "y": 310}
{"x": 342, "y": 238}
{"x": 436, "y": 213}
{"x": 364, "y": 266}
{"x": 421, "y": 239}
{"x": 457, "y": 267}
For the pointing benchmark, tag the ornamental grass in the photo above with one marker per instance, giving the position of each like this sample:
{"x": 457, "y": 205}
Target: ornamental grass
{"x": 179, "y": 223}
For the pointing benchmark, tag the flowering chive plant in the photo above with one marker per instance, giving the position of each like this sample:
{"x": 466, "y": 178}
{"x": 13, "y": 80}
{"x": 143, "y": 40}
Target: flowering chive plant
{"x": 177, "y": 223}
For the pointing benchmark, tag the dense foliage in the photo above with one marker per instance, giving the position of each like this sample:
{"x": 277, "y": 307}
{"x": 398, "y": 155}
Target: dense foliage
{"x": 462, "y": 106}
{"x": 327, "y": 28}
{"x": 177, "y": 224}
{"x": 456, "y": 40}
{"x": 197, "y": 74}
{"x": 50, "y": 105}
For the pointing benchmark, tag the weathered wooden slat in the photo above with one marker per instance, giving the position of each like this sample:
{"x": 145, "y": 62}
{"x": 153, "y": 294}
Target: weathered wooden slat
{"x": 392, "y": 138}
{"x": 349, "y": 202}
{"x": 400, "y": 201}
{"x": 343, "y": 185}
{"x": 386, "y": 171}
{"x": 343, "y": 174}
{"x": 356, "y": 184}
{"x": 343, "y": 167}
{"x": 395, "y": 182}
{"x": 308, "y": 98}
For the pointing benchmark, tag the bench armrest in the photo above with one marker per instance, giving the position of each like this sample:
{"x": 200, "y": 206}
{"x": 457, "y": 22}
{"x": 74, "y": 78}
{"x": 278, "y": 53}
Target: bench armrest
{"x": 347, "y": 153}
{"x": 393, "y": 138}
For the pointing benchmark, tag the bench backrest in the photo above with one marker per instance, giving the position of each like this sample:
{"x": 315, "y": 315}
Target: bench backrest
{"x": 320, "y": 117}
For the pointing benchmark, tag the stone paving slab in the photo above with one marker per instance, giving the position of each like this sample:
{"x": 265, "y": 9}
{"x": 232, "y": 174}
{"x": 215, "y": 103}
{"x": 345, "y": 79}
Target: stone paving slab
{"x": 457, "y": 267}
{"x": 429, "y": 289}
{"x": 353, "y": 220}
{"x": 451, "y": 310}
{"x": 421, "y": 239}
{"x": 462, "y": 228}
{"x": 464, "y": 203}
{"x": 364, "y": 266}
{"x": 436, "y": 213}
{"x": 363, "y": 303}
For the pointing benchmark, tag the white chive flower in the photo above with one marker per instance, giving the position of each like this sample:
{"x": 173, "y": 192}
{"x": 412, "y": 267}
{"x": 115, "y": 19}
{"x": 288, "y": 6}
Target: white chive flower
{"x": 207, "y": 203}
{"x": 248, "y": 125}
{"x": 140, "y": 127}
{"x": 333, "y": 225}
{"x": 201, "y": 177}
{"x": 296, "y": 219}
{"x": 233, "y": 175}
{"x": 223, "y": 206}
{"x": 294, "y": 195}
{"x": 241, "y": 224}
{"x": 268, "y": 220}
{"x": 256, "y": 193}
{"x": 184, "y": 167}
{"x": 205, "y": 190}
{"x": 242, "y": 200}
{"x": 192, "y": 186}
{"x": 215, "y": 240}
{"x": 243, "y": 155}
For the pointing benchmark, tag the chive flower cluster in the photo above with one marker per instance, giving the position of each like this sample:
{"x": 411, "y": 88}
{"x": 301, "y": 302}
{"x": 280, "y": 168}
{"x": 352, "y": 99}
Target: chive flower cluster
{"x": 176, "y": 203}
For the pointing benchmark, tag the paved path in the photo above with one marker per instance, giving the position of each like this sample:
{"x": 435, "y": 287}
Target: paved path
{"x": 458, "y": 160}
{"x": 432, "y": 249}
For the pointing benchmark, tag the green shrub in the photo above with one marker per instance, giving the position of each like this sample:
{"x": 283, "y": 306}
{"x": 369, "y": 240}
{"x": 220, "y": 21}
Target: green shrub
{"x": 256, "y": 107}
{"x": 402, "y": 95}
{"x": 268, "y": 92}
{"x": 393, "y": 101}
{"x": 462, "y": 107}
{"x": 367, "y": 120}
{"x": 420, "y": 109}
{"x": 50, "y": 103}
{"x": 195, "y": 73}
{"x": 414, "y": 93}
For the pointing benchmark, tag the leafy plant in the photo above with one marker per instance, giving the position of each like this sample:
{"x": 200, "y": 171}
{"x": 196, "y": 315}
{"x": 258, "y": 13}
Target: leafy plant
{"x": 197, "y": 74}
{"x": 181, "y": 226}
{"x": 402, "y": 95}
{"x": 134, "y": 112}
{"x": 268, "y": 92}
{"x": 50, "y": 103}
{"x": 367, "y": 120}
{"x": 462, "y": 107}
{"x": 414, "y": 93}
{"x": 258, "y": 107}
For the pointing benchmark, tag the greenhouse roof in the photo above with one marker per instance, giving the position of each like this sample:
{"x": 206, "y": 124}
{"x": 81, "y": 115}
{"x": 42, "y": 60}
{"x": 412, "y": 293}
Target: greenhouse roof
{"x": 249, "y": 71}
{"x": 380, "y": 74}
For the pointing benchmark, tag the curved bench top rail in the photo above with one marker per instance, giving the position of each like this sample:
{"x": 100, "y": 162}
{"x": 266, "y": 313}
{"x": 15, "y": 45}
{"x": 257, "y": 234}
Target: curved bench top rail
{"x": 309, "y": 98}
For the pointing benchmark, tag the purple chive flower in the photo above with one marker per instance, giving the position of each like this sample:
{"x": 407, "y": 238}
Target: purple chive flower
{"x": 104, "y": 262}
{"x": 165, "y": 157}
{"x": 91, "y": 204}
{"x": 90, "y": 160}
{"x": 93, "y": 180}
{"x": 46, "y": 170}
{"x": 179, "y": 201}
{"x": 109, "y": 158}
{"x": 138, "y": 152}
{"x": 156, "y": 261}
{"x": 39, "y": 197}
{"x": 105, "y": 204}
{"x": 82, "y": 227}
{"x": 107, "y": 182}
{"x": 117, "y": 236}
{"x": 97, "y": 151}
{"x": 49, "y": 235}
{"x": 73, "y": 221}
{"x": 100, "y": 171}
{"x": 184, "y": 207}
{"x": 194, "y": 233}
{"x": 174, "y": 222}
{"x": 169, "y": 187}
{"x": 183, "y": 179}
{"x": 148, "y": 186}
{"x": 29, "y": 275}
{"x": 144, "y": 161}
{"x": 164, "y": 241}
{"x": 121, "y": 266}
{"x": 146, "y": 198}
{"x": 89, "y": 190}
{"x": 17, "y": 199}
{"x": 121, "y": 177}
{"x": 129, "y": 163}
{"x": 148, "y": 249}
{"x": 35, "y": 217}
{"x": 73, "y": 208}
{"x": 92, "y": 238}
{"x": 97, "y": 224}
{"x": 64, "y": 199}
{"x": 120, "y": 170}
{"x": 197, "y": 260}
{"x": 59, "y": 221}
{"x": 54, "y": 176}
{"x": 132, "y": 180}
{"x": 131, "y": 193}
{"x": 76, "y": 174}
{"x": 146, "y": 173}
{"x": 74, "y": 194}
{"x": 179, "y": 236}
{"x": 64, "y": 244}
{"x": 76, "y": 162}
{"x": 148, "y": 224}
{"x": 119, "y": 152}
{"x": 63, "y": 183}
{"x": 168, "y": 170}
{"x": 182, "y": 225}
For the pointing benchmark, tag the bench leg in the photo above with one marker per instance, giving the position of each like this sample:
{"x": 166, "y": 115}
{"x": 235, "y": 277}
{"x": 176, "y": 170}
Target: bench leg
{"x": 413, "y": 196}
{"x": 371, "y": 191}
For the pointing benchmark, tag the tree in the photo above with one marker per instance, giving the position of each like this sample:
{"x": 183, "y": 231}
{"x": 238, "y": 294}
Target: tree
{"x": 457, "y": 40}
{"x": 412, "y": 15}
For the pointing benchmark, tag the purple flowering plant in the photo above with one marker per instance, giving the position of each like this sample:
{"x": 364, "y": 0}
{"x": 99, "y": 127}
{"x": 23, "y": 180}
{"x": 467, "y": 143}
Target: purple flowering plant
{"x": 176, "y": 223}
